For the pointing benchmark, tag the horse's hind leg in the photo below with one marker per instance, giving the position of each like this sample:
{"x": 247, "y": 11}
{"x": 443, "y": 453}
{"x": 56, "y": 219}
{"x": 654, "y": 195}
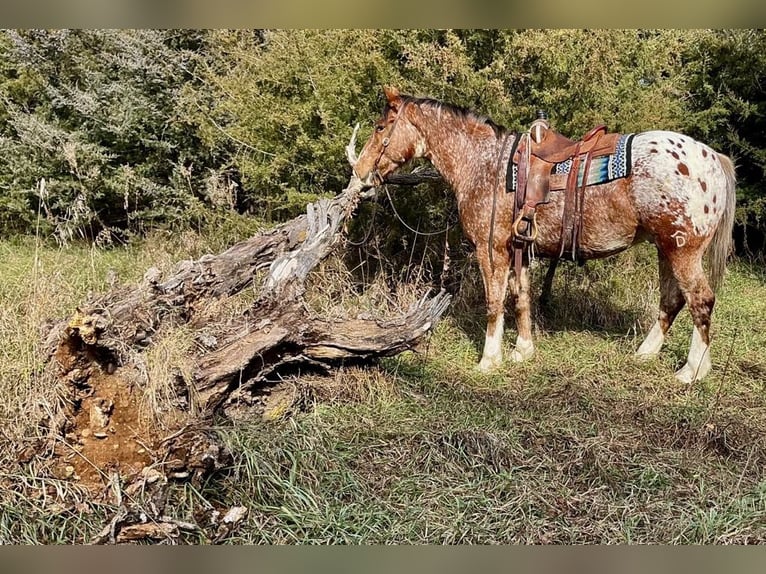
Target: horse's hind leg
{"x": 700, "y": 299}
{"x": 671, "y": 302}
{"x": 545, "y": 295}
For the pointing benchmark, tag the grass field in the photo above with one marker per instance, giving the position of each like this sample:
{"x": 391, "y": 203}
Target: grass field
{"x": 582, "y": 444}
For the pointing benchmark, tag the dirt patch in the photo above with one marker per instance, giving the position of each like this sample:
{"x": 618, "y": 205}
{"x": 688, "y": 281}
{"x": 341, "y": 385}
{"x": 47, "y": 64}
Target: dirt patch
{"x": 106, "y": 431}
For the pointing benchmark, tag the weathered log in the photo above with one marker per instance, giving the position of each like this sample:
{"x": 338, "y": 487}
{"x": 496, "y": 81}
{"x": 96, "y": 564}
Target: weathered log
{"x": 99, "y": 350}
{"x": 291, "y": 336}
{"x": 119, "y": 321}
{"x": 123, "y": 319}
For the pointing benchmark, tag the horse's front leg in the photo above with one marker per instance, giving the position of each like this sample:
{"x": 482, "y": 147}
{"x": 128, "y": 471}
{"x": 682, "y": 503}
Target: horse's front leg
{"x": 495, "y": 276}
{"x": 525, "y": 348}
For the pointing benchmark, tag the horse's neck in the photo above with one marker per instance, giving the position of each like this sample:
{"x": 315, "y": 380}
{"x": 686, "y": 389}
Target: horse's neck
{"x": 464, "y": 154}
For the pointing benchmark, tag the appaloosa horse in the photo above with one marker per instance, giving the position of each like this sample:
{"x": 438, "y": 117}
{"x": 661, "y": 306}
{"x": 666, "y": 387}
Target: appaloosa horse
{"x": 680, "y": 195}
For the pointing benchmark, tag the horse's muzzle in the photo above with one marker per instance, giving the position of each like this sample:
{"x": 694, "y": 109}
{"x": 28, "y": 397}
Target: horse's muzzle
{"x": 373, "y": 179}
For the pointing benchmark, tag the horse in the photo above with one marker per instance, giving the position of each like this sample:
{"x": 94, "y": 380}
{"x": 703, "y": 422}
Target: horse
{"x": 679, "y": 195}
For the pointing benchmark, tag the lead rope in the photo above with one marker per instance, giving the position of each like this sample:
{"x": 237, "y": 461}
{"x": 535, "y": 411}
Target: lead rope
{"x": 445, "y": 231}
{"x": 369, "y": 229}
{"x": 413, "y": 230}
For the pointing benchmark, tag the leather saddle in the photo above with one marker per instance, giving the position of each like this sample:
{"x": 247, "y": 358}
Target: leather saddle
{"x": 535, "y": 156}
{"x": 555, "y": 147}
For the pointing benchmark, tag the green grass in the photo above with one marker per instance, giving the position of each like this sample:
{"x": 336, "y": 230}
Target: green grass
{"x": 582, "y": 444}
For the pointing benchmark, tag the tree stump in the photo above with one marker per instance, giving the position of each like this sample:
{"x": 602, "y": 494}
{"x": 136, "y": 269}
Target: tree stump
{"x": 98, "y": 353}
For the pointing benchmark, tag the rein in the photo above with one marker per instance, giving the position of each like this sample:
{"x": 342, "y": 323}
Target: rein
{"x": 413, "y": 230}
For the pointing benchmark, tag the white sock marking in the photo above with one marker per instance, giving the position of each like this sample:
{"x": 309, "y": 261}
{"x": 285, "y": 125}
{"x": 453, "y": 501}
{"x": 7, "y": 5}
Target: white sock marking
{"x": 493, "y": 347}
{"x": 525, "y": 348}
{"x": 653, "y": 342}
{"x": 698, "y": 363}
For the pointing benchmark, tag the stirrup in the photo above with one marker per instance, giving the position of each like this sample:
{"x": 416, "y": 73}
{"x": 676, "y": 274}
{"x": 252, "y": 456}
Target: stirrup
{"x": 532, "y": 223}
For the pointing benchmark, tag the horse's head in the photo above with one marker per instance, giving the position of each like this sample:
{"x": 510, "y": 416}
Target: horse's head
{"x": 393, "y": 142}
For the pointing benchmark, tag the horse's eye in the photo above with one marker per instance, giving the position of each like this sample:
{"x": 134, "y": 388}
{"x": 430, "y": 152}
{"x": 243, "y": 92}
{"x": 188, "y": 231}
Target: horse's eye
{"x": 379, "y": 128}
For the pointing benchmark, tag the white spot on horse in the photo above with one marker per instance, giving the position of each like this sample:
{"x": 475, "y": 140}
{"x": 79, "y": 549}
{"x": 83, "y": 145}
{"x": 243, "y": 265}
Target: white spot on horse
{"x": 681, "y": 180}
{"x": 420, "y": 148}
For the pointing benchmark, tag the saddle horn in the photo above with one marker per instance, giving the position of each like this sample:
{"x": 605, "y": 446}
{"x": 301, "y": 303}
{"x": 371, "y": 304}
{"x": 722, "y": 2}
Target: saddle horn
{"x": 539, "y": 126}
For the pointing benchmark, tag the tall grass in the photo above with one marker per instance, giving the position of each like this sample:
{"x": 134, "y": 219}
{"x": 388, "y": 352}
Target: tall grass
{"x": 582, "y": 444}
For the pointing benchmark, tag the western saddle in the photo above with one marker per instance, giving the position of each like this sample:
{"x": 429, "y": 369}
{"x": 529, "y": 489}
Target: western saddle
{"x": 535, "y": 154}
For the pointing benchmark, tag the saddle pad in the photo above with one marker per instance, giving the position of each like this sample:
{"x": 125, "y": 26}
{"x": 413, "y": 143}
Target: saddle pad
{"x": 602, "y": 169}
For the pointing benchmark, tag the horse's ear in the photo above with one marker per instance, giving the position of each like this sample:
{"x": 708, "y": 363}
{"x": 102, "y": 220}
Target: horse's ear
{"x": 392, "y": 95}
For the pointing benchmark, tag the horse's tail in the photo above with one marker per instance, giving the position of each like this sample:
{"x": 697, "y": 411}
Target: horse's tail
{"x": 721, "y": 246}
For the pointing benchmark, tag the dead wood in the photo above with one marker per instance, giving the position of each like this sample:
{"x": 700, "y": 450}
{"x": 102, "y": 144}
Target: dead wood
{"x": 127, "y": 318}
{"x": 292, "y": 336}
{"x": 98, "y": 351}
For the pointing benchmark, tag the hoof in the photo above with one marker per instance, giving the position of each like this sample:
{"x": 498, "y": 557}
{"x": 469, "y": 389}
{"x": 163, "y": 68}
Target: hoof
{"x": 524, "y": 350}
{"x": 687, "y": 374}
{"x": 488, "y": 364}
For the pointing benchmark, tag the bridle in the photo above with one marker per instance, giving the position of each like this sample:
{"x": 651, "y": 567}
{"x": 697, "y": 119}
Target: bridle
{"x": 387, "y": 140}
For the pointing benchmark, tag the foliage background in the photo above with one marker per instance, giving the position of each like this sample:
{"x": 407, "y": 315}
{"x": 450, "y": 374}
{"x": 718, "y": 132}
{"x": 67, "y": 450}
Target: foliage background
{"x": 133, "y": 130}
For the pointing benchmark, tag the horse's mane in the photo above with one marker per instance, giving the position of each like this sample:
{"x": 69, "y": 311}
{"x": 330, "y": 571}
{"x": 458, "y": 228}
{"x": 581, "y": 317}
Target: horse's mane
{"x": 459, "y": 111}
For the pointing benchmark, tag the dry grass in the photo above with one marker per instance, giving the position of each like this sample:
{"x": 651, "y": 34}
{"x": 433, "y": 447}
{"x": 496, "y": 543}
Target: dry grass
{"x": 334, "y": 293}
{"x": 167, "y": 366}
{"x": 44, "y": 283}
{"x": 582, "y": 444}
